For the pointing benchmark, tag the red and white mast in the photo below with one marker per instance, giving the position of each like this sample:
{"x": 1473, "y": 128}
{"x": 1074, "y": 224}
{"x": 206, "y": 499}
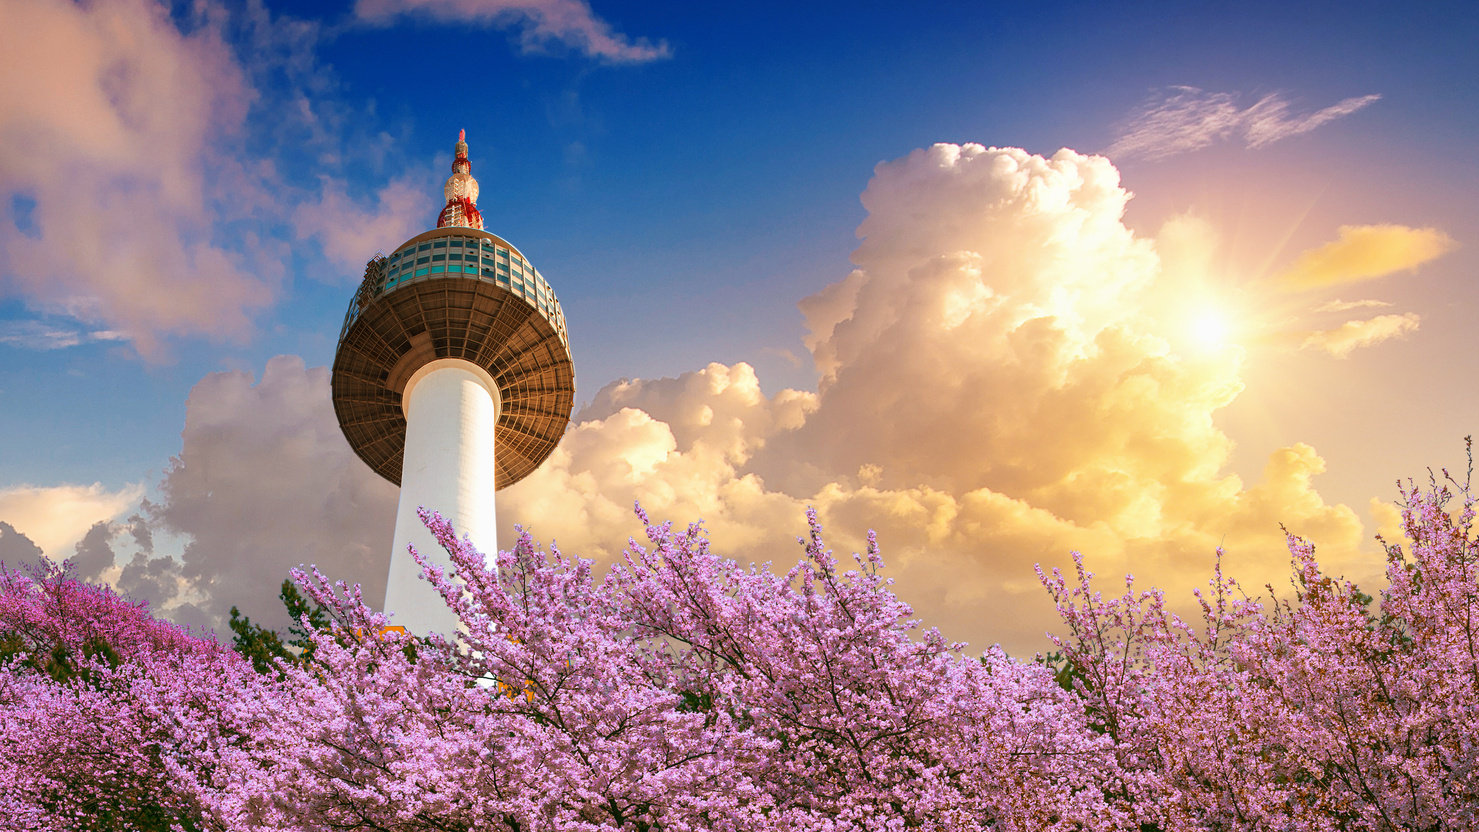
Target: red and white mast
{"x": 462, "y": 192}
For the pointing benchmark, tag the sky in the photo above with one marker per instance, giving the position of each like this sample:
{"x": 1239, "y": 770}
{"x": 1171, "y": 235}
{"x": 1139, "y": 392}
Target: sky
{"x": 998, "y": 281}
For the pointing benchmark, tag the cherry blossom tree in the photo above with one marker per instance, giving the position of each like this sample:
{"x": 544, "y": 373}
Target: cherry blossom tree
{"x": 683, "y": 691}
{"x": 86, "y": 676}
{"x": 1316, "y": 712}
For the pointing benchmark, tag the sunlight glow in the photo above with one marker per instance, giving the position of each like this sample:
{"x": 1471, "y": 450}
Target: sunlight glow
{"x": 1209, "y": 328}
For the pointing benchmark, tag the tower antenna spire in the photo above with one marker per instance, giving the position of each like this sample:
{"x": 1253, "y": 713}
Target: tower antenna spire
{"x": 461, "y": 190}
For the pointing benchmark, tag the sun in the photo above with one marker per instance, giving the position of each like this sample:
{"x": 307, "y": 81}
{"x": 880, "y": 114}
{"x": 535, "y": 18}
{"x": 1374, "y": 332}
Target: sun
{"x": 1209, "y": 328}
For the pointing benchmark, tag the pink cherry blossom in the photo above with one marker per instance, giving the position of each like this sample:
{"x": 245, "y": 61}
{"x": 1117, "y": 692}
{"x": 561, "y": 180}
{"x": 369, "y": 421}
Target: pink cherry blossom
{"x": 1319, "y": 712}
{"x": 684, "y": 691}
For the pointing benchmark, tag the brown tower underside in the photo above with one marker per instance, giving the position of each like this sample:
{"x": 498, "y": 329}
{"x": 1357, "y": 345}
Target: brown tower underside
{"x": 453, "y": 317}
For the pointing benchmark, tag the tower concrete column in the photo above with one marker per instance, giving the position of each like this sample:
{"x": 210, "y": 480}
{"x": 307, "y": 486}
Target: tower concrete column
{"x": 451, "y": 408}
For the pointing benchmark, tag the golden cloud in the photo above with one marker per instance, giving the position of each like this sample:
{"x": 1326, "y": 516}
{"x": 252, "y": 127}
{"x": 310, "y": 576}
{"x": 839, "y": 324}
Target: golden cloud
{"x": 58, "y": 517}
{"x": 1365, "y": 252}
{"x": 994, "y": 394}
{"x": 1352, "y": 335}
{"x": 1339, "y": 305}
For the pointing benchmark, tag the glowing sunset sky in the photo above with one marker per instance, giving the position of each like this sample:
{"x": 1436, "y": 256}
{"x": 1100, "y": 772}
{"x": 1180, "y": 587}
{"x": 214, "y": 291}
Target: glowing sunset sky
{"x": 999, "y": 281}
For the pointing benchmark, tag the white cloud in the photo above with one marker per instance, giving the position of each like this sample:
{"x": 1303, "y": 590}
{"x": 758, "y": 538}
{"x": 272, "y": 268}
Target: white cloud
{"x": 265, "y": 481}
{"x": 50, "y": 334}
{"x": 722, "y": 407}
{"x": 349, "y": 232}
{"x": 539, "y": 23}
{"x": 1182, "y": 119}
{"x": 113, "y": 146}
{"x": 57, "y": 517}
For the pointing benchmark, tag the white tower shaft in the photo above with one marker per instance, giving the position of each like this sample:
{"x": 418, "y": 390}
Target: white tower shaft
{"x": 451, "y": 409}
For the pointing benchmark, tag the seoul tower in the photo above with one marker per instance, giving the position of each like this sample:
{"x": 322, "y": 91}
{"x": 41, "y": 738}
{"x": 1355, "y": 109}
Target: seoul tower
{"x": 452, "y": 379}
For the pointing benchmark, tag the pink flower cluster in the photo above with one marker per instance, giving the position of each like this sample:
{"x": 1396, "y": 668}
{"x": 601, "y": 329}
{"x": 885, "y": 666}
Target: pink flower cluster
{"x": 1320, "y": 712}
{"x": 685, "y": 692}
{"x": 89, "y": 691}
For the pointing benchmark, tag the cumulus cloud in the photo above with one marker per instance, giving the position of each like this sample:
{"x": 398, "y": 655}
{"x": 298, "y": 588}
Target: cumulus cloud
{"x": 56, "y": 518}
{"x": 94, "y": 555}
{"x": 348, "y": 231}
{"x": 1000, "y": 385}
{"x": 680, "y": 446}
{"x": 121, "y": 554}
{"x": 17, "y": 550}
{"x": 1365, "y": 252}
{"x": 1352, "y": 335}
{"x": 265, "y": 481}
{"x": 1181, "y": 119}
{"x": 109, "y": 151}
{"x": 539, "y": 23}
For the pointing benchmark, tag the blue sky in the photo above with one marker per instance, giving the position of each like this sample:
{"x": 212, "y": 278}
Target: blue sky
{"x": 685, "y": 176}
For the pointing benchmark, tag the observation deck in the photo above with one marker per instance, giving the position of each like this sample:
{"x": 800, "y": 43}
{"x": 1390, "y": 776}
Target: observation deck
{"x": 455, "y": 292}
